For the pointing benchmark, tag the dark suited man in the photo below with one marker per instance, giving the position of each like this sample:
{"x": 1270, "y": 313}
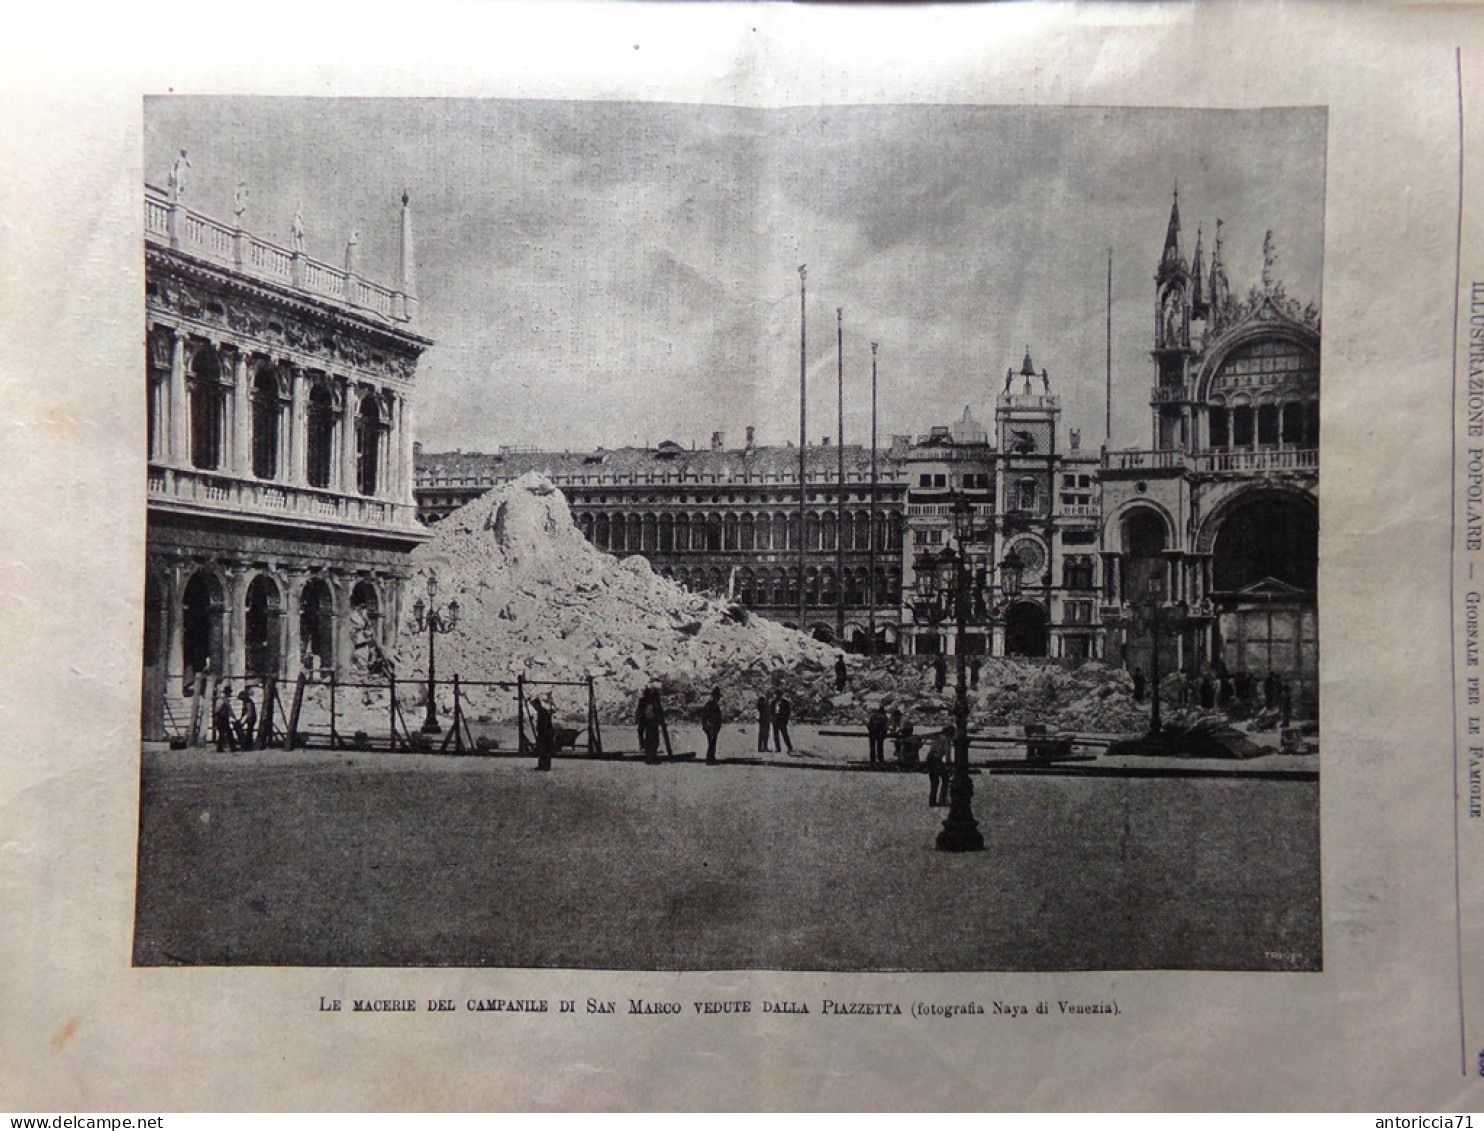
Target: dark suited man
{"x": 764, "y": 723}
{"x": 782, "y": 709}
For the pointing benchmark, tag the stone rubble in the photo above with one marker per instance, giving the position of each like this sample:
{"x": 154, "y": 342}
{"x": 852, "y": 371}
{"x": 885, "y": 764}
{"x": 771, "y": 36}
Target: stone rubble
{"x": 537, "y": 599}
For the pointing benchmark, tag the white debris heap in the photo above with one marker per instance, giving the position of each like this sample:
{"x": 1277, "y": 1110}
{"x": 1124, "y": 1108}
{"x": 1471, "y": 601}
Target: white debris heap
{"x": 537, "y": 599}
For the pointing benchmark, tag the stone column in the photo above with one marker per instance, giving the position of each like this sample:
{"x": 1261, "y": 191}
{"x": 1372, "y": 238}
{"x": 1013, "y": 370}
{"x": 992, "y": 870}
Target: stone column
{"x": 406, "y": 426}
{"x": 340, "y": 633}
{"x": 174, "y": 622}
{"x": 348, "y": 440}
{"x": 241, "y": 417}
{"x": 395, "y": 471}
{"x": 298, "y": 432}
{"x": 236, "y": 643}
{"x": 293, "y": 647}
{"x": 389, "y": 483}
{"x": 180, "y": 408}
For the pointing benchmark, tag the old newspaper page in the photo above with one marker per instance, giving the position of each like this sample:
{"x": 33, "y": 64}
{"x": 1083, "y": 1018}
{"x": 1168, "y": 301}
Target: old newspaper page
{"x": 729, "y": 556}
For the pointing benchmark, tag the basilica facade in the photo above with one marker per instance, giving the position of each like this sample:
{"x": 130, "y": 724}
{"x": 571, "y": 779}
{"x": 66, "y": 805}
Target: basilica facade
{"x": 280, "y": 504}
{"x": 1210, "y": 536}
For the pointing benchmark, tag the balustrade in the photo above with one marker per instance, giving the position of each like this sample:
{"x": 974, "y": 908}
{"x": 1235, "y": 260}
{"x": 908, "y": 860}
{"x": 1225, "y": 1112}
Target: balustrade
{"x": 250, "y": 496}
{"x": 211, "y": 239}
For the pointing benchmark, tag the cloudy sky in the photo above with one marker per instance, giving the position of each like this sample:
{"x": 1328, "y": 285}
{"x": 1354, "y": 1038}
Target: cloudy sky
{"x": 614, "y": 273}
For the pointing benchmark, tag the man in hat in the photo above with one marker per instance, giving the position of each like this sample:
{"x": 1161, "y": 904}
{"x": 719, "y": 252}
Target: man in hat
{"x": 247, "y": 720}
{"x": 939, "y": 757}
{"x": 711, "y": 723}
{"x": 223, "y": 724}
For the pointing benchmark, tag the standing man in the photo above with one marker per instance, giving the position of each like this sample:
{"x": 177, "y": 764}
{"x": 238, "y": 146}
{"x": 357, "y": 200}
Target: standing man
{"x": 247, "y": 720}
{"x": 222, "y": 722}
{"x": 648, "y": 720}
{"x": 711, "y": 724}
{"x": 842, "y": 677}
{"x": 545, "y": 734}
{"x": 974, "y": 666}
{"x": 940, "y": 672}
{"x": 876, "y": 728}
{"x": 939, "y": 756}
{"x": 764, "y": 722}
{"x": 782, "y": 709}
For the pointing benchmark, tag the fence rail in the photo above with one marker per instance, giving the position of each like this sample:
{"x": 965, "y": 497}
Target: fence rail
{"x": 367, "y": 714}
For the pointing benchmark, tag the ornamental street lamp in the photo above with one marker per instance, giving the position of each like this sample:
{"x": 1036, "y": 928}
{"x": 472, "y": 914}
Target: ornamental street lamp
{"x": 960, "y": 832}
{"x": 946, "y": 586}
{"x": 437, "y": 622}
{"x": 1156, "y": 613}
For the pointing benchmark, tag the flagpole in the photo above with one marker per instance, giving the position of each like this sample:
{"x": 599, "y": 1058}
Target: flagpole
{"x": 871, "y": 541}
{"x": 840, "y": 477}
{"x": 1108, "y": 361}
{"x": 803, "y": 437}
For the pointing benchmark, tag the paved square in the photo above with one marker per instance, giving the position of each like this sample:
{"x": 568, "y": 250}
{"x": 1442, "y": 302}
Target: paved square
{"x": 313, "y": 858}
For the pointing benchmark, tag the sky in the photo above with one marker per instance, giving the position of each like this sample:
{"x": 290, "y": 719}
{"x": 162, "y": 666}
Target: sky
{"x": 602, "y": 274}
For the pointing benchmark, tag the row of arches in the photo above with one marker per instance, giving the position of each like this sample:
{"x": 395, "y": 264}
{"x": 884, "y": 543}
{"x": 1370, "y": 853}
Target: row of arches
{"x": 278, "y": 637}
{"x": 1252, "y": 576}
{"x": 778, "y": 587}
{"x": 213, "y": 432}
{"x": 1289, "y": 423}
{"x": 668, "y": 532}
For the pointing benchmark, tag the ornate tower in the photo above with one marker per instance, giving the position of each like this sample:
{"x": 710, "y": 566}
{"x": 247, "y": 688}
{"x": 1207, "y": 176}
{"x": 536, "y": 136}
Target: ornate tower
{"x": 1174, "y": 306}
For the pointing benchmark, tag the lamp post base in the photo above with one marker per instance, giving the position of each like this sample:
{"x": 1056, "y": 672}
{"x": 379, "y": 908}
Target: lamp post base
{"x": 960, "y": 832}
{"x": 960, "y": 838}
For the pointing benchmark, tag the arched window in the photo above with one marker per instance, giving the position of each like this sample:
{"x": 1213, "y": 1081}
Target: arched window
{"x": 745, "y": 533}
{"x": 1026, "y": 495}
{"x": 317, "y": 627}
{"x": 600, "y": 532}
{"x": 811, "y": 531}
{"x": 203, "y": 624}
{"x": 208, "y": 410}
{"x": 713, "y": 532}
{"x": 682, "y": 533}
{"x": 267, "y": 413}
{"x": 1242, "y": 430}
{"x": 854, "y": 587}
{"x": 321, "y": 429}
{"x": 667, "y": 534}
{"x": 261, "y": 621}
{"x": 1077, "y": 572}
{"x": 369, "y": 431}
{"x": 648, "y": 533}
{"x": 1267, "y": 425}
{"x": 1220, "y": 430}
{"x": 365, "y": 628}
{"x": 829, "y": 531}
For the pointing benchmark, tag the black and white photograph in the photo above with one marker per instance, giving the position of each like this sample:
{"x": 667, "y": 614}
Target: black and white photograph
{"x": 652, "y": 536}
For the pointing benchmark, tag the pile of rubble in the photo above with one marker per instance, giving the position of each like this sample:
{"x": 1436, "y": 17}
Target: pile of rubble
{"x": 1011, "y": 692}
{"x": 536, "y": 599}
